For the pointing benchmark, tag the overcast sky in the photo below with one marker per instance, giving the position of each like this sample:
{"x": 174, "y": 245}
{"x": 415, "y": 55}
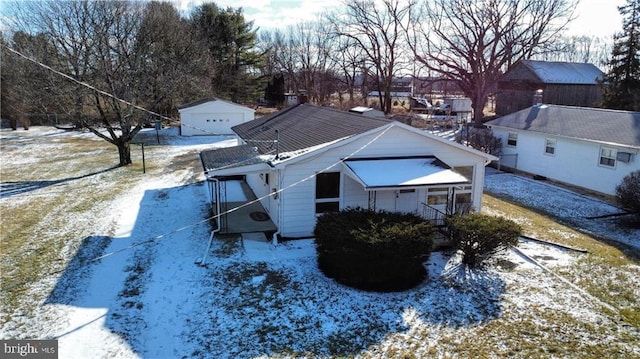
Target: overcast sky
{"x": 593, "y": 17}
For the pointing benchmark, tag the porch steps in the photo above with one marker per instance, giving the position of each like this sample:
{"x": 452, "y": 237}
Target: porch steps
{"x": 256, "y": 247}
{"x": 440, "y": 241}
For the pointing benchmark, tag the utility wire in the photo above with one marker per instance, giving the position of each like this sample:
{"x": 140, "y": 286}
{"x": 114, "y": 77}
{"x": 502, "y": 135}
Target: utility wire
{"x": 244, "y": 204}
{"x": 68, "y": 77}
{"x": 136, "y": 244}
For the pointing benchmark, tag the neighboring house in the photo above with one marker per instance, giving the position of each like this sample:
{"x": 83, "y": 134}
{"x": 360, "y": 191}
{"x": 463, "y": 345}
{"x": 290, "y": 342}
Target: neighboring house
{"x": 558, "y": 83}
{"x": 587, "y": 147}
{"x": 212, "y": 116}
{"x": 305, "y": 160}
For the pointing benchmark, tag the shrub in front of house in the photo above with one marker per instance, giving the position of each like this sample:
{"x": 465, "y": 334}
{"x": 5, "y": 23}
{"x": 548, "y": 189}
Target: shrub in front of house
{"x": 628, "y": 193}
{"x": 377, "y": 251}
{"x": 479, "y": 236}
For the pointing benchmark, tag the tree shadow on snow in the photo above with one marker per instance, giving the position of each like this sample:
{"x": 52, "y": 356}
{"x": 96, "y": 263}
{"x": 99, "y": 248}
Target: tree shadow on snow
{"x": 113, "y": 274}
{"x": 147, "y": 291}
{"x": 291, "y": 308}
{"x": 8, "y": 189}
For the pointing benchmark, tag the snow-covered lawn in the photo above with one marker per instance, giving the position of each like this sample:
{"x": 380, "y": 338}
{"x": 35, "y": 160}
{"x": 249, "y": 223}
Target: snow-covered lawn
{"x": 127, "y": 284}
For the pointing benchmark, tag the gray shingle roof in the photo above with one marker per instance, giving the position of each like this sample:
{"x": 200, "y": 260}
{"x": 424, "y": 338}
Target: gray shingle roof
{"x": 564, "y": 72}
{"x": 595, "y": 124}
{"x": 205, "y": 100}
{"x": 304, "y": 126}
{"x": 229, "y": 157}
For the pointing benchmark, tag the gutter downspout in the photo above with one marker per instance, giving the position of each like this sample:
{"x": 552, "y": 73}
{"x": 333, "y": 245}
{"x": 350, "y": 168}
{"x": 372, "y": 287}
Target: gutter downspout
{"x": 274, "y": 239}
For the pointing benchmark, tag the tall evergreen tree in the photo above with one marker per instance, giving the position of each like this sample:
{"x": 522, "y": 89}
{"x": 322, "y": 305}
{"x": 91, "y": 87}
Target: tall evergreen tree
{"x": 622, "y": 82}
{"x": 274, "y": 91}
{"x": 230, "y": 42}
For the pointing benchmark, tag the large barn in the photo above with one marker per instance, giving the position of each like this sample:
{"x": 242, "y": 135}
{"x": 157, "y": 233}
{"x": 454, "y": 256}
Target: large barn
{"x": 557, "y": 83}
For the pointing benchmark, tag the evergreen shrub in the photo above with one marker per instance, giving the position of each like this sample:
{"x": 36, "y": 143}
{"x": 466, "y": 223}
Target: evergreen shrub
{"x": 479, "y": 236}
{"x": 628, "y": 193}
{"x": 377, "y": 251}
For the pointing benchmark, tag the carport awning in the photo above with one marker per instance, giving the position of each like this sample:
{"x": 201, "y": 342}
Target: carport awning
{"x": 397, "y": 173}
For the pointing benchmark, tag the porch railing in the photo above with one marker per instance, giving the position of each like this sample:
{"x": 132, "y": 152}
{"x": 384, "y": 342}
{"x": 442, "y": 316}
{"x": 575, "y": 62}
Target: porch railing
{"x": 433, "y": 215}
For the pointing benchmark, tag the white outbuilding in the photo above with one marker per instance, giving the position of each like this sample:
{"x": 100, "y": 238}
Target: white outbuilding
{"x": 212, "y": 116}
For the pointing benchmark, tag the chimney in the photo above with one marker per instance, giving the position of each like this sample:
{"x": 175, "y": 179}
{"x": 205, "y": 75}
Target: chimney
{"x": 302, "y": 97}
{"x": 537, "y": 97}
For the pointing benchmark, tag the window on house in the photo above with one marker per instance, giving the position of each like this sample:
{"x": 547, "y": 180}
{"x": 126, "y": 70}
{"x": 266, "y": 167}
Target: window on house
{"x": 512, "y": 139}
{"x": 437, "y": 196}
{"x": 608, "y": 156}
{"x": 327, "y": 192}
{"x": 550, "y": 146}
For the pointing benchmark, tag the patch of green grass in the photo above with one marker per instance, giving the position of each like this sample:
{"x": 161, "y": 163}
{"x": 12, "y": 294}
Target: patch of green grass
{"x": 41, "y": 226}
{"x": 605, "y": 272}
{"x": 539, "y": 333}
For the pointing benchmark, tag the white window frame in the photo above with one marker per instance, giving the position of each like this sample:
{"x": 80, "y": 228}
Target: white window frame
{"x": 515, "y": 139}
{"x": 608, "y": 153}
{"x": 550, "y": 143}
{"x": 337, "y": 200}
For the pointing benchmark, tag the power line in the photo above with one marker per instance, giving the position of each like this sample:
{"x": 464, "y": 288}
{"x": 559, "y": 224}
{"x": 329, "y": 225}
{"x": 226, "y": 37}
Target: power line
{"x": 68, "y": 77}
{"x": 71, "y": 78}
{"x": 358, "y": 150}
{"x": 167, "y": 118}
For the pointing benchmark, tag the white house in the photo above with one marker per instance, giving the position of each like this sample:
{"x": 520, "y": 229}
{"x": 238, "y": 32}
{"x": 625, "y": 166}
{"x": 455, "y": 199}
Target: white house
{"x": 305, "y": 160}
{"x": 212, "y": 116}
{"x": 587, "y": 147}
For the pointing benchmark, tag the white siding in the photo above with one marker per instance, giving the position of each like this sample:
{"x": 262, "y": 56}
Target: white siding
{"x": 574, "y": 162}
{"x": 259, "y": 187}
{"x": 212, "y": 118}
{"x": 298, "y": 216}
{"x": 354, "y": 194}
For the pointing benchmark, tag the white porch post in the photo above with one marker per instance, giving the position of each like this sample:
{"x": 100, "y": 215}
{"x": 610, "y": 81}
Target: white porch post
{"x": 372, "y": 200}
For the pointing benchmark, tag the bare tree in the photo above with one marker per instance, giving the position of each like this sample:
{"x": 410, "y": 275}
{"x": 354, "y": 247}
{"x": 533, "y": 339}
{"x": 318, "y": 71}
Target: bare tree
{"x": 377, "y": 28}
{"x": 310, "y": 47}
{"x": 474, "y": 42}
{"x": 581, "y": 48}
{"x": 347, "y": 58}
{"x": 170, "y": 60}
{"x": 114, "y": 60}
{"x": 302, "y": 53}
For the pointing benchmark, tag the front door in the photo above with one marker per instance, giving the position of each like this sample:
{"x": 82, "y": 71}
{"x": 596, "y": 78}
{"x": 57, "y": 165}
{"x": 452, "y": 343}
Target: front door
{"x": 440, "y": 198}
{"x": 406, "y": 201}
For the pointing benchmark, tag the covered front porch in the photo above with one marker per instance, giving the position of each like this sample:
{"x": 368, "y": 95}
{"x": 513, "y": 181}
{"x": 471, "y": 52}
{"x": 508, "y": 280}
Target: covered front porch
{"x": 422, "y": 185}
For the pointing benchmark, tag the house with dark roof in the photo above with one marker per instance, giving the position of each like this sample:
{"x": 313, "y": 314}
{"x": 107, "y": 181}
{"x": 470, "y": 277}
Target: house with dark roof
{"x": 298, "y": 163}
{"x": 560, "y": 83}
{"x": 592, "y": 148}
{"x": 212, "y": 116}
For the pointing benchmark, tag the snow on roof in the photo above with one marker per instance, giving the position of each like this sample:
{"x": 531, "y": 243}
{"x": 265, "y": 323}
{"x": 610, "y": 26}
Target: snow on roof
{"x": 584, "y": 123}
{"x": 564, "y": 72}
{"x": 360, "y": 109}
{"x": 402, "y": 172}
{"x": 210, "y": 99}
